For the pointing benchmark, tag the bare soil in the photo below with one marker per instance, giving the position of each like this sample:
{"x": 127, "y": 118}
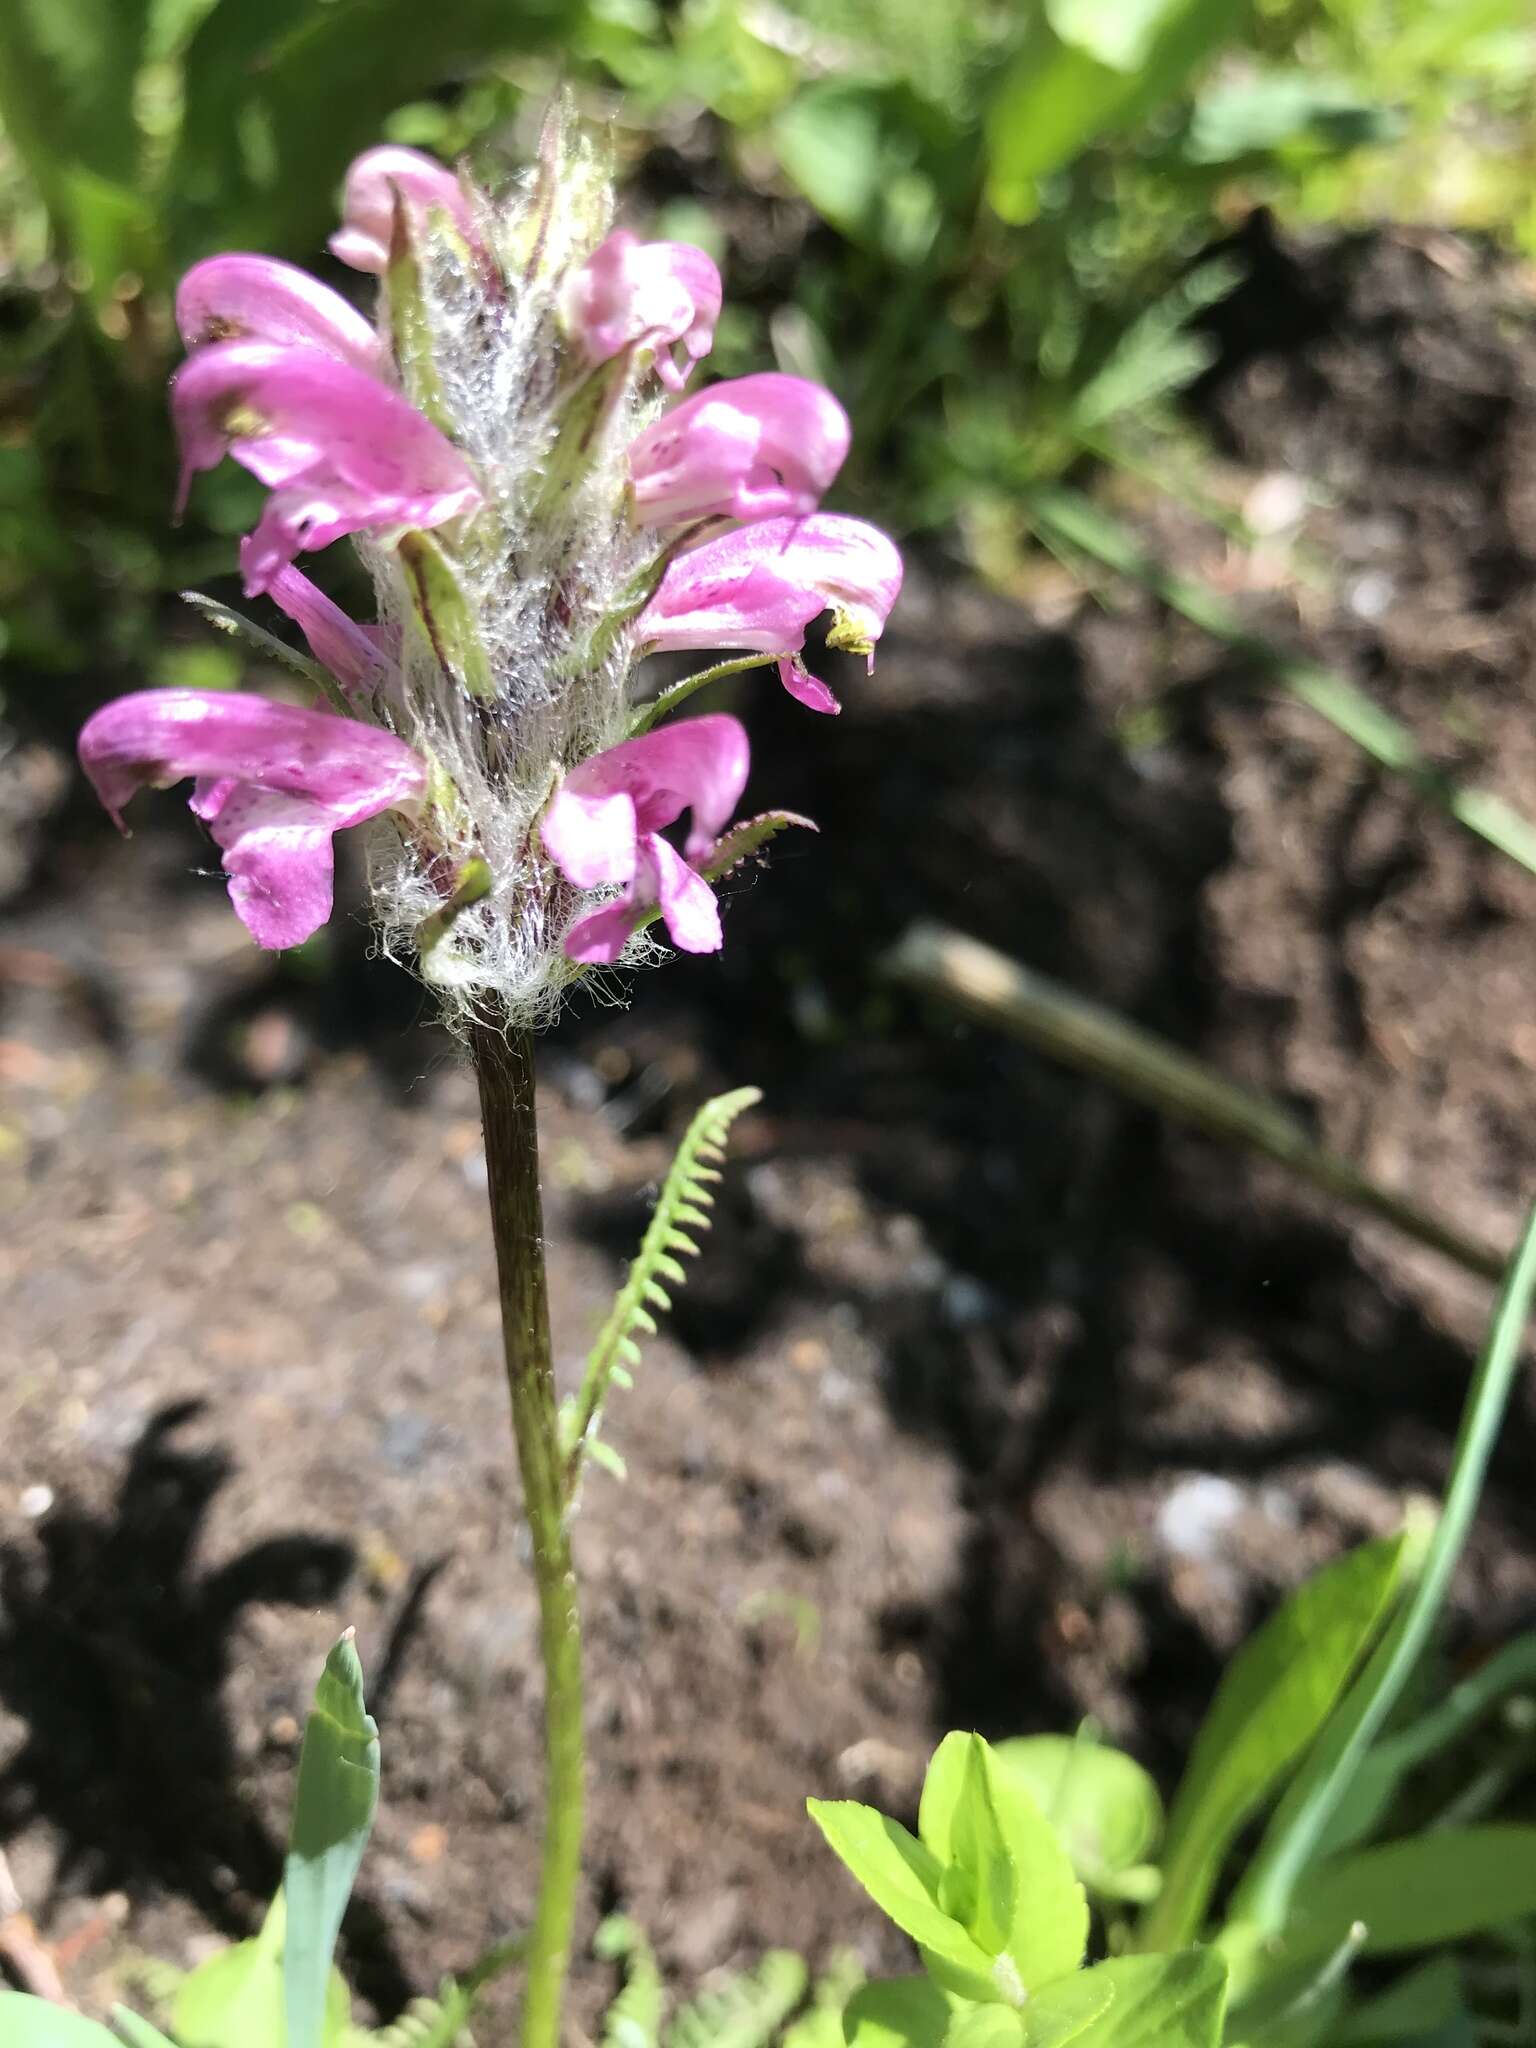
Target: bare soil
{"x": 994, "y": 1401}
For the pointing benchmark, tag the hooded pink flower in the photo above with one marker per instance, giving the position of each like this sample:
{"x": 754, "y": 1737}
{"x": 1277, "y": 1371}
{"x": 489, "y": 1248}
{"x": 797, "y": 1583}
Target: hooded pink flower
{"x": 648, "y": 294}
{"x": 340, "y": 451}
{"x": 604, "y": 826}
{"x": 256, "y": 298}
{"x": 750, "y": 448}
{"x": 374, "y": 181}
{"x": 351, "y": 652}
{"x": 274, "y": 782}
{"x": 759, "y": 587}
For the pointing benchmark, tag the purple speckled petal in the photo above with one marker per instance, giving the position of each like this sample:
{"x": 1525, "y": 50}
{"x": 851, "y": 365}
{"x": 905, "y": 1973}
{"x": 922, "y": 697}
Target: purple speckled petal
{"x": 651, "y": 294}
{"x": 368, "y": 205}
{"x": 341, "y": 452}
{"x": 256, "y": 298}
{"x": 759, "y": 447}
{"x": 805, "y": 688}
{"x": 688, "y": 907}
{"x": 273, "y": 783}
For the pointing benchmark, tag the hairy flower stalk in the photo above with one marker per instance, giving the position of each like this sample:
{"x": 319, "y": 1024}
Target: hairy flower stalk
{"x": 537, "y": 509}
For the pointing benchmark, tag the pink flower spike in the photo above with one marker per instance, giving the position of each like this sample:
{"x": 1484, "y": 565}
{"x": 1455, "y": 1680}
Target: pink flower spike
{"x": 650, "y": 294}
{"x": 368, "y": 206}
{"x": 759, "y": 587}
{"x": 273, "y": 783}
{"x": 351, "y": 652}
{"x": 256, "y": 298}
{"x": 340, "y": 451}
{"x": 750, "y": 448}
{"x": 604, "y": 826}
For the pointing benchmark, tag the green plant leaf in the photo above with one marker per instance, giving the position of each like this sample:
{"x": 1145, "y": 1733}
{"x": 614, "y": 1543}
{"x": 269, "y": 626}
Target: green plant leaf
{"x": 1427, "y": 1889}
{"x": 985, "y": 2026}
{"x": 443, "y": 615}
{"x": 902, "y": 1876}
{"x": 978, "y": 1885}
{"x": 633, "y": 2018}
{"x": 1062, "y": 2011}
{"x": 27, "y": 2022}
{"x": 235, "y": 1998}
{"x": 1422, "y": 2001}
{"x": 747, "y": 838}
{"x": 333, "y": 1809}
{"x": 1120, "y": 35}
{"x": 746, "y": 2009}
{"x": 137, "y": 2031}
{"x": 1047, "y": 1920}
{"x": 898, "y": 2012}
{"x": 1173, "y": 2001}
{"x": 1102, "y": 1804}
{"x": 1273, "y": 1698}
{"x": 821, "y": 2023}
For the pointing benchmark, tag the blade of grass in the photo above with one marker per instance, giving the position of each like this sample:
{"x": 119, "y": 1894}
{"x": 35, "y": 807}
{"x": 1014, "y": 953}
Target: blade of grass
{"x": 1001, "y": 992}
{"x": 1064, "y": 517}
{"x": 1264, "y": 1896}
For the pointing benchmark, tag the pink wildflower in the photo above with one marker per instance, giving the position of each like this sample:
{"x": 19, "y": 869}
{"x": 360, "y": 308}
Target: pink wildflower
{"x": 341, "y": 452}
{"x": 256, "y": 298}
{"x": 374, "y": 181}
{"x": 351, "y": 652}
{"x": 750, "y": 448}
{"x": 273, "y": 783}
{"x": 648, "y": 294}
{"x": 760, "y": 586}
{"x": 605, "y": 821}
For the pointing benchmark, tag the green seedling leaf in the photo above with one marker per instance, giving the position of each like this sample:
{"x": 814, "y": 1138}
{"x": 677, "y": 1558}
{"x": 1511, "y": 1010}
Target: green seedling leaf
{"x": 985, "y": 2026}
{"x": 1048, "y": 1927}
{"x": 899, "y": 2012}
{"x": 1065, "y": 2010}
{"x": 978, "y": 1887}
{"x": 1175, "y": 2001}
{"x": 745, "y": 2010}
{"x": 1120, "y": 35}
{"x": 135, "y": 2030}
{"x": 334, "y": 1805}
{"x": 1273, "y": 1698}
{"x": 235, "y": 1999}
{"x": 821, "y": 2024}
{"x": 444, "y": 616}
{"x": 1423, "y": 1891}
{"x": 1102, "y": 1804}
{"x": 27, "y": 2022}
{"x": 902, "y": 1876}
{"x": 633, "y": 2020}
{"x": 1422, "y": 2002}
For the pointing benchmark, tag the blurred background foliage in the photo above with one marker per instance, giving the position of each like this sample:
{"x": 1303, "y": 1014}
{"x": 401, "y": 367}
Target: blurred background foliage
{"x": 988, "y": 226}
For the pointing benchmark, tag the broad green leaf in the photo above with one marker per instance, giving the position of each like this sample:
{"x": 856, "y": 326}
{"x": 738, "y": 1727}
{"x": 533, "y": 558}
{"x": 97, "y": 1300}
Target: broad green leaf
{"x": 35, "y": 2023}
{"x": 899, "y": 2012}
{"x": 1422, "y": 2001}
{"x": 985, "y": 2026}
{"x": 1271, "y": 109}
{"x": 1102, "y": 1804}
{"x": 1062, "y": 2011}
{"x": 333, "y": 1809}
{"x": 978, "y": 1887}
{"x": 829, "y": 143}
{"x": 1417, "y": 1893}
{"x": 1049, "y": 1929}
{"x": 137, "y": 2031}
{"x": 235, "y": 1999}
{"x": 1120, "y": 34}
{"x": 1174, "y": 2001}
{"x": 1272, "y": 1700}
{"x": 902, "y": 1876}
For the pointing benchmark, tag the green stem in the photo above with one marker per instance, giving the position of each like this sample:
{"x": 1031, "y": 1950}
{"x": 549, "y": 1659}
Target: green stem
{"x": 670, "y": 698}
{"x": 504, "y": 1060}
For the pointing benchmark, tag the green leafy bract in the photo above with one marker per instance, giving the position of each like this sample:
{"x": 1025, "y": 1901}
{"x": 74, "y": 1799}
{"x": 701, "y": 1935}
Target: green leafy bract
{"x": 334, "y": 1805}
{"x": 903, "y": 1876}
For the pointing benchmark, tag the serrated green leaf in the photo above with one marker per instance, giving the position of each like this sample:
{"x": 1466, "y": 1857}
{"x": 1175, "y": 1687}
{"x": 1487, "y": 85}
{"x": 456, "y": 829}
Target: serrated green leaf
{"x": 902, "y": 1876}
{"x": 27, "y": 2022}
{"x": 1273, "y": 1698}
{"x": 1174, "y": 2001}
{"x": 746, "y": 2009}
{"x": 898, "y": 2012}
{"x": 241, "y": 628}
{"x": 747, "y": 838}
{"x": 334, "y": 1804}
{"x": 1102, "y": 1804}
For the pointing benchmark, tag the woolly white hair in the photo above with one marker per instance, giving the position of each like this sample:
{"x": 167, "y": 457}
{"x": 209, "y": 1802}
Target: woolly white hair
{"x": 548, "y": 569}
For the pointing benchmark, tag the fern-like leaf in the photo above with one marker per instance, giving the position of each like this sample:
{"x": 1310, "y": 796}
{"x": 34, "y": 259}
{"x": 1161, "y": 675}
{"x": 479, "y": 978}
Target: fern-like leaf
{"x": 633, "y": 2020}
{"x": 821, "y": 2024}
{"x": 439, "y": 2022}
{"x": 745, "y": 2009}
{"x": 682, "y": 1208}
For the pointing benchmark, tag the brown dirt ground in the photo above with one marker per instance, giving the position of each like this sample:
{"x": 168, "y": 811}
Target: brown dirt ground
{"x": 906, "y": 1456}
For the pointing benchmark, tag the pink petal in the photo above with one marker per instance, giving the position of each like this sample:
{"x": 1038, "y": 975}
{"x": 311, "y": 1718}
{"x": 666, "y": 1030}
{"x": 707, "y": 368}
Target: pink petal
{"x": 688, "y": 906}
{"x": 697, "y": 764}
{"x": 256, "y": 298}
{"x": 590, "y": 838}
{"x": 598, "y": 939}
{"x": 805, "y": 688}
{"x": 751, "y": 448}
{"x": 760, "y": 586}
{"x": 274, "y": 781}
{"x": 343, "y": 451}
{"x": 650, "y": 294}
{"x": 368, "y": 207}
{"x": 350, "y": 651}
